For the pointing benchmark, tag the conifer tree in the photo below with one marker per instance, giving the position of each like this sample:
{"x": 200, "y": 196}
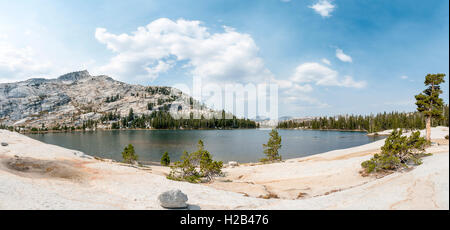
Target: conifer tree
{"x": 129, "y": 156}
{"x": 186, "y": 169}
{"x": 272, "y": 146}
{"x": 131, "y": 114}
{"x": 429, "y": 102}
{"x": 165, "y": 159}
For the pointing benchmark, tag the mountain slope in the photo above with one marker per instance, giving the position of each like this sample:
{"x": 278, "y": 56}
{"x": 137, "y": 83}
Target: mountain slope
{"x": 77, "y": 97}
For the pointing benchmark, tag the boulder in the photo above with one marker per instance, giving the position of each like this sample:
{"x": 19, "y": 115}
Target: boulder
{"x": 4, "y": 144}
{"x": 173, "y": 199}
{"x": 233, "y": 164}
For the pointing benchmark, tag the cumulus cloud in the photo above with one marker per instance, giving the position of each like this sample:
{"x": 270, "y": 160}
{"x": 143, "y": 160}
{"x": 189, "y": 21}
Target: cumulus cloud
{"x": 297, "y": 89}
{"x": 324, "y": 8}
{"x": 342, "y": 56}
{"x": 157, "y": 47}
{"x": 315, "y": 73}
{"x": 20, "y": 63}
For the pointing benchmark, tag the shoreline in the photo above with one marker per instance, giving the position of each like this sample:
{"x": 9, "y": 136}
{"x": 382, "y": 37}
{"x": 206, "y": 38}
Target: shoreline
{"x": 342, "y": 130}
{"x": 327, "y": 180}
{"x": 135, "y": 129}
{"x": 379, "y": 133}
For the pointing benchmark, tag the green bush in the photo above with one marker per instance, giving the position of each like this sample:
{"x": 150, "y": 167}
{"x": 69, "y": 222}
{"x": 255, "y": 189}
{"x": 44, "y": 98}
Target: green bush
{"x": 271, "y": 148}
{"x": 446, "y": 137}
{"x": 165, "y": 159}
{"x": 185, "y": 169}
{"x": 129, "y": 156}
{"x": 193, "y": 167}
{"x": 398, "y": 152}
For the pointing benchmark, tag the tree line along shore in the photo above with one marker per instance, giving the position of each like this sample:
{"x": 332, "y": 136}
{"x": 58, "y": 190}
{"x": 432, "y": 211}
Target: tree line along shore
{"x": 370, "y": 123}
{"x": 156, "y": 120}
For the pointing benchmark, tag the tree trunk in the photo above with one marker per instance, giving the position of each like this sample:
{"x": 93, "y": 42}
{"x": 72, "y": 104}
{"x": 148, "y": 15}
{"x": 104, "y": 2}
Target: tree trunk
{"x": 429, "y": 115}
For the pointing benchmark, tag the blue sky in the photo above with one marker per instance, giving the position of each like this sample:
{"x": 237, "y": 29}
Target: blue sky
{"x": 330, "y": 57}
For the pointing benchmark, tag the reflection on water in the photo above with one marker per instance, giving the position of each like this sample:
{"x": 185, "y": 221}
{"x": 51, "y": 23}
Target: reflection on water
{"x": 226, "y": 145}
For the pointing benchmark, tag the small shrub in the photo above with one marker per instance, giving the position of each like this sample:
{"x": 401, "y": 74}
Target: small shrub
{"x": 129, "y": 156}
{"x": 270, "y": 195}
{"x": 446, "y": 137}
{"x": 398, "y": 152}
{"x": 301, "y": 195}
{"x": 193, "y": 167}
{"x": 165, "y": 159}
{"x": 185, "y": 169}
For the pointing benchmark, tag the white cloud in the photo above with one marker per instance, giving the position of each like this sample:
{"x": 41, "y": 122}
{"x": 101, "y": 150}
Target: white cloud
{"x": 313, "y": 102}
{"x": 296, "y": 90}
{"x": 404, "y": 77}
{"x": 350, "y": 82}
{"x": 342, "y": 56}
{"x": 326, "y": 61}
{"x": 318, "y": 74}
{"x": 20, "y": 63}
{"x": 157, "y": 47}
{"x": 323, "y": 7}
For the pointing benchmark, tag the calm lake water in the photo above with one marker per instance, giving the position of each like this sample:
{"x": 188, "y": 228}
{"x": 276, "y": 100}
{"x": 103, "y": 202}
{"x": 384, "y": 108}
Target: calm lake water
{"x": 244, "y": 145}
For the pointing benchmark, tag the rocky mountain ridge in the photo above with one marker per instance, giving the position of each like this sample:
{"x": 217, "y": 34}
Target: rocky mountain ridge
{"x": 77, "y": 97}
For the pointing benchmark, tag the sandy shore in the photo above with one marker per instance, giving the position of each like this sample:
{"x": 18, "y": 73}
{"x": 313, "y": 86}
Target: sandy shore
{"x": 60, "y": 178}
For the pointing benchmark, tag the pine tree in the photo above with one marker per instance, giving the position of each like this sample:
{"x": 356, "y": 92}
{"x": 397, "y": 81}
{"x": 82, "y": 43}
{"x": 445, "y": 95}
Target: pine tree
{"x": 272, "y": 146}
{"x": 131, "y": 114}
{"x": 129, "y": 156}
{"x": 186, "y": 169}
{"x": 429, "y": 102}
{"x": 398, "y": 151}
{"x": 165, "y": 159}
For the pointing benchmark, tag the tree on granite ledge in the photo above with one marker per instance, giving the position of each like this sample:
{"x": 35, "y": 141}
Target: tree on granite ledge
{"x": 429, "y": 102}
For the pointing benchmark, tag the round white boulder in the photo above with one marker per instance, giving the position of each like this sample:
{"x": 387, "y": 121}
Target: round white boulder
{"x": 173, "y": 199}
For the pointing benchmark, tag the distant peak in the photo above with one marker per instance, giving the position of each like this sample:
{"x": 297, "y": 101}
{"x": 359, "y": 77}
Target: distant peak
{"x": 74, "y": 76}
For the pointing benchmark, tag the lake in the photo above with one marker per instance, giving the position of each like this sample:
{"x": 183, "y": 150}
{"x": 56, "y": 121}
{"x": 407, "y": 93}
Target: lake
{"x": 242, "y": 145}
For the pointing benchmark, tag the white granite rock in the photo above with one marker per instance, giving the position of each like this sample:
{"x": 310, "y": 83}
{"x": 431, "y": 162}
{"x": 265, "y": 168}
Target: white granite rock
{"x": 173, "y": 199}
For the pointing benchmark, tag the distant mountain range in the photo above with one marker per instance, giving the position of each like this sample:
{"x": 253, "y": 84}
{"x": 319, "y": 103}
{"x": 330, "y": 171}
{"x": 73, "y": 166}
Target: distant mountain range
{"x": 267, "y": 123}
{"x": 262, "y": 119}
